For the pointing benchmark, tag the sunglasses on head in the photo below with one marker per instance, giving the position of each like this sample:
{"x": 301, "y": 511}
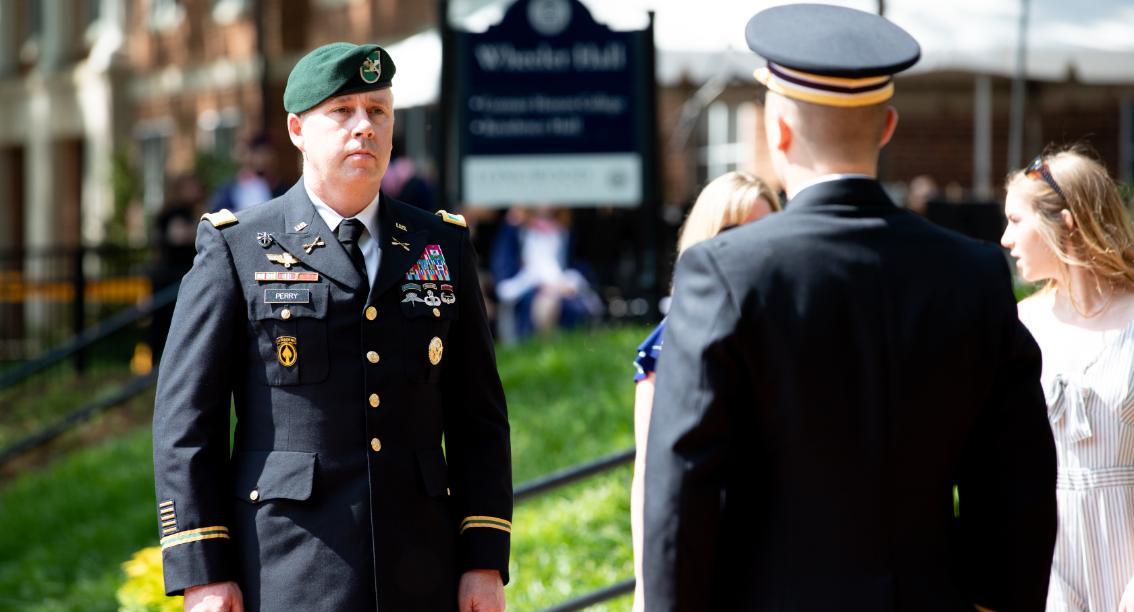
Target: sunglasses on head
{"x": 1038, "y": 168}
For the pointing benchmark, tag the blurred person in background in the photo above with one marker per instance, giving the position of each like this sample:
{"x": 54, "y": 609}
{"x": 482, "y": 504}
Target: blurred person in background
{"x": 254, "y": 181}
{"x": 1068, "y": 226}
{"x": 922, "y": 190}
{"x": 540, "y": 285}
{"x": 174, "y": 233}
{"x": 832, "y": 372}
{"x": 730, "y": 200}
{"x": 405, "y": 182}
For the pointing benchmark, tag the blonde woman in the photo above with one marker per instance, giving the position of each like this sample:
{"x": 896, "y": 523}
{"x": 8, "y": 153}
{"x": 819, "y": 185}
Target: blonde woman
{"x": 732, "y": 199}
{"x": 1068, "y": 226}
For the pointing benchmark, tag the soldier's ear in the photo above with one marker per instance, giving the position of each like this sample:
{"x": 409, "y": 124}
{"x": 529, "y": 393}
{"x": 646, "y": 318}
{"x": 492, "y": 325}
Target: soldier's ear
{"x": 889, "y": 127}
{"x": 781, "y": 135}
{"x": 295, "y": 131}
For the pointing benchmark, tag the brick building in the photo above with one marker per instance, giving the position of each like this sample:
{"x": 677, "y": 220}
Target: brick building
{"x": 90, "y": 87}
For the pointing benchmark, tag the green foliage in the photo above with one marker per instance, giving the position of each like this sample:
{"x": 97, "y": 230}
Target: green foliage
{"x": 71, "y": 534}
{"x": 65, "y": 529}
{"x": 214, "y": 169}
{"x": 572, "y": 542}
{"x": 143, "y": 590}
{"x": 126, "y": 185}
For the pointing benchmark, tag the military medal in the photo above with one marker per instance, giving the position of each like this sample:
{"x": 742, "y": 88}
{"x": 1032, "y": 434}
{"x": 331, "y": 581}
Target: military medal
{"x": 287, "y": 277}
{"x": 430, "y": 265}
{"x": 431, "y": 300}
{"x": 447, "y": 295}
{"x": 286, "y": 351}
{"x": 318, "y": 242}
{"x": 435, "y": 350}
{"x": 286, "y": 260}
{"x": 265, "y": 239}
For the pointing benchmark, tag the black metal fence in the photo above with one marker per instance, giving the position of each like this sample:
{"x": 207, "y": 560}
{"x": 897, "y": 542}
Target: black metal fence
{"x": 48, "y": 295}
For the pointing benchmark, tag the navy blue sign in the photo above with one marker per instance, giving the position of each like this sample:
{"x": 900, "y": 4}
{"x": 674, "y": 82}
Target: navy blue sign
{"x": 548, "y": 108}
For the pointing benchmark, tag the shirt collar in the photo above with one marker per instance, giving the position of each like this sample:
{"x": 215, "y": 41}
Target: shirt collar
{"x": 368, "y": 216}
{"x": 827, "y": 178}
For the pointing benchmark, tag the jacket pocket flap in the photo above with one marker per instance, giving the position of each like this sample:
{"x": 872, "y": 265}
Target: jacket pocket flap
{"x": 433, "y": 477}
{"x": 271, "y": 301}
{"x": 264, "y": 475}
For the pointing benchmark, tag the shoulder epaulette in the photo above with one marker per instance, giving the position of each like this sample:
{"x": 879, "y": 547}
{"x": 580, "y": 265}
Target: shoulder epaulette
{"x": 449, "y": 217}
{"x": 220, "y": 218}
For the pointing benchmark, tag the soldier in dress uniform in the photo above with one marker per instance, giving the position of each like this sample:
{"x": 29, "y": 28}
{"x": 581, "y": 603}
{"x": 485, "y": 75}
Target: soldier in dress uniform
{"x": 349, "y": 332}
{"x": 832, "y": 371}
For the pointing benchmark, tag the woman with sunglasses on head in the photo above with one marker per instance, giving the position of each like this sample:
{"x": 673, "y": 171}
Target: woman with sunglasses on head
{"x": 732, "y": 199}
{"x": 1068, "y": 226}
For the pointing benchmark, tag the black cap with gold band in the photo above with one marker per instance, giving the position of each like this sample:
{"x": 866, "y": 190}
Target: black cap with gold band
{"x": 830, "y": 55}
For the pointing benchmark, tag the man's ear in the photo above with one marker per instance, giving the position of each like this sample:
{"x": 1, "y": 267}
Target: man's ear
{"x": 781, "y": 136}
{"x": 295, "y": 131}
{"x": 888, "y": 129}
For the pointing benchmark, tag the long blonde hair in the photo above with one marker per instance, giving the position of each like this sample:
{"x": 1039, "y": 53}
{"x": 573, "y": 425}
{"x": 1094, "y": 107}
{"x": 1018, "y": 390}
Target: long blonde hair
{"x": 1102, "y": 240}
{"x": 728, "y": 200}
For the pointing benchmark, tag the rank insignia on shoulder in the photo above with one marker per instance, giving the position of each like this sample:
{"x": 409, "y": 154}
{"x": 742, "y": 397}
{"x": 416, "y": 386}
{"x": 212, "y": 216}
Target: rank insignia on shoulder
{"x": 453, "y": 218}
{"x": 286, "y": 351}
{"x": 286, "y": 260}
{"x": 220, "y": 218}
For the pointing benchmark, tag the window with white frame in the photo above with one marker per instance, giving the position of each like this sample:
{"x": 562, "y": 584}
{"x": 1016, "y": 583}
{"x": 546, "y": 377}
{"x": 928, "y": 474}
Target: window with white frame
{"x": 154, "y": 144}
{"x": 728, "y": 143}
{"x": 217, "y": 132}
{"x": 165, "y": 14}
{"x": 226, "y": 11}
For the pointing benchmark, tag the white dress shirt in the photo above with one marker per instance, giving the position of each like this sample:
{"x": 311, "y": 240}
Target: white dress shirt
{"x": 368, "y": 242}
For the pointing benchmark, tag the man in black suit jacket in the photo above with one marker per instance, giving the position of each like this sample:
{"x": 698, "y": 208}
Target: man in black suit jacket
{"x": 830, "y": 373}
{"x": 349, "y": 332}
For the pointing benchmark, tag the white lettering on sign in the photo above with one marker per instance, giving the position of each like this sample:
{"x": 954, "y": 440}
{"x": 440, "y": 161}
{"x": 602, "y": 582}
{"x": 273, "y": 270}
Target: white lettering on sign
{"x": 613, "y": 179}
{"x": 288, "y": 296}
{"x": 581, "y": 57}
{"x": 589, "y": 103}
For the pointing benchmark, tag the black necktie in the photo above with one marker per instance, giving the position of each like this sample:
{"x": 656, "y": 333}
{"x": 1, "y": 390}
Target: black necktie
{"x": 350, "y": 230}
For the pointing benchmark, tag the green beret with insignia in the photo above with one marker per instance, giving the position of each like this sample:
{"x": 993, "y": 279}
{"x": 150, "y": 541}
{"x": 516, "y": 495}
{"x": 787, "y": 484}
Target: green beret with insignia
{"x": 336, "y": 69}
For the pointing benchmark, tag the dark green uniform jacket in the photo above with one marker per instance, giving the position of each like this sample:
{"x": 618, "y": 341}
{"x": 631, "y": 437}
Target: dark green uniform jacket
{"x": 337, "y": 494}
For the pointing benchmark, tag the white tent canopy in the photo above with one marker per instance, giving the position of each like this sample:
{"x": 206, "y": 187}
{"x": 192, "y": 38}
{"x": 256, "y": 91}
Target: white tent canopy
{"x": 1093, "y": 39}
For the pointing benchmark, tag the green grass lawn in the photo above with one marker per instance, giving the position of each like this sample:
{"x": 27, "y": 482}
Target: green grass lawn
{"x": 66, "y": 529}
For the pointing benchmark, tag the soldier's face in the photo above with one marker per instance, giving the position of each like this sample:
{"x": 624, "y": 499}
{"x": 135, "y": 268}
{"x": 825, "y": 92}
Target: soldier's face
{"x": 346, "y": 140}
{"x": 1035, "y": 259}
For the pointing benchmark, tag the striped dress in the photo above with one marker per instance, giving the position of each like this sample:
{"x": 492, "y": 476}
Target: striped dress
{"x": 1088, "y": 379}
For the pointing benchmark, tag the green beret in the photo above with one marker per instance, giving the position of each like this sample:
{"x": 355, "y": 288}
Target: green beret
{"x": 336, "y": 69}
